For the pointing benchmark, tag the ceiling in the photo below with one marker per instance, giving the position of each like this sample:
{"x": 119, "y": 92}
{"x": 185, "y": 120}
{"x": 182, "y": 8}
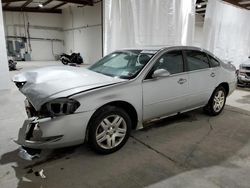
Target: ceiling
{"x": 55, "y": 6}
{"x": 202, "y": 4}
{"x": 46, "y": 6}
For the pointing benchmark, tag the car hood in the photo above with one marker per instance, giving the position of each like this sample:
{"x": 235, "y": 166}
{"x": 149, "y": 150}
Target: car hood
{"x": 42, "y": 85}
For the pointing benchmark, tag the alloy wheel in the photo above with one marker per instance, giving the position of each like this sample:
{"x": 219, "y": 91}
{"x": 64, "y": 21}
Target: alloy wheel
{"x": 111, "y": 131}
{"x": 219, "y": 100}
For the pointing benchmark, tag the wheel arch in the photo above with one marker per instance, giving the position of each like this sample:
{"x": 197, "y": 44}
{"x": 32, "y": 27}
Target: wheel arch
{"x": 129, "y": 108}
{"x": 208, "y": 108}
{"x": 225, "y": 85}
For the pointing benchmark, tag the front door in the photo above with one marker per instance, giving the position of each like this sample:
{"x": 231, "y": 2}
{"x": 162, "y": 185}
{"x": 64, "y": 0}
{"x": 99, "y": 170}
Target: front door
{"x": 165, "y": 95}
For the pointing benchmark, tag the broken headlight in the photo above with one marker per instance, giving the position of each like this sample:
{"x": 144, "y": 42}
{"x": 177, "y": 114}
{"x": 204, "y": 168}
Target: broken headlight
{"x": 61, "y": 106}
{"x": 242, "y": 73}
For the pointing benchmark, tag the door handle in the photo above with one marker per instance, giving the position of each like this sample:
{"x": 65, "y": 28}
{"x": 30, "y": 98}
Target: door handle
{"x": 182, "y": 81}
{"x": 212, "y": 74}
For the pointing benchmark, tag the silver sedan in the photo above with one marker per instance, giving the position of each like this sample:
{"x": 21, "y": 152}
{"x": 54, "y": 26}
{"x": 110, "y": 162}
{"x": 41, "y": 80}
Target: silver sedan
{"x": 123, "y": 91}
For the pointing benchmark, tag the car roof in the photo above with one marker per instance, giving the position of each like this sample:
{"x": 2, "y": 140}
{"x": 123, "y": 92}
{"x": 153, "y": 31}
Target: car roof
{"x": 155, "y": 49}
{"x": 158, "y": 48}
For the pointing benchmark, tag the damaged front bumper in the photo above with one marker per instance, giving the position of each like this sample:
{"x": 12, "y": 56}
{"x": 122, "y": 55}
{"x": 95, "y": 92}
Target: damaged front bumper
{"x": 28, "y": 154}
{"x": 243, "y": 80}
{"x": 31, "y": 134}
{"x": 48, "y": 133}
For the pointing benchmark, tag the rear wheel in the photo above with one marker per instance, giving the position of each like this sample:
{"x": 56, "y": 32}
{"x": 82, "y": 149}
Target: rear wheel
{"x": 109, "y": 129}
{"x": 216, "y": 102}
{"x": 64, "y": 61}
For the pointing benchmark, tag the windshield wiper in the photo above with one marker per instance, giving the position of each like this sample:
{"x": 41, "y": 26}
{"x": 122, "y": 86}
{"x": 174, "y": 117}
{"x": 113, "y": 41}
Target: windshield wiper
{"x": 104, "y": 73}
{"x": 125, "y": 77}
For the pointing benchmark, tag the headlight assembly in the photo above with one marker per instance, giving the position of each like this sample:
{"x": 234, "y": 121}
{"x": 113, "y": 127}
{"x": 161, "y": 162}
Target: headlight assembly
{"x": 242, "y": 74}
{"x": 61, "y": 106}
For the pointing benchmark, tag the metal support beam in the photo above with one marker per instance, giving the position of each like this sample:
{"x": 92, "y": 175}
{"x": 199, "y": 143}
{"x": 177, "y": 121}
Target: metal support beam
{"x": 6, "y": 5}
{"x": 31, "y": 9}
{"x": 54, "y": 9}
{"x": 59, "y": 5}
{"x": 26, "y": 3}
{"x": 10, "y": 1}
{"x": 81, "y": 2}
{"x": 236, "y": 3}
{"x": 47, "y": 2}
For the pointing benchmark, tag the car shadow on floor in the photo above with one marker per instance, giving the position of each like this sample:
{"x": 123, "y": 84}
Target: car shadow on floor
{"x": 162, "y": 150}
{"x": 244, "y": 99}
{"x": 243, "y": 88}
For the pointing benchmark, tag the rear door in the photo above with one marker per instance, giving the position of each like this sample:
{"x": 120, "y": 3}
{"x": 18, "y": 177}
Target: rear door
{"x": 202, "y": 77}
{"x": 215, "y": 67}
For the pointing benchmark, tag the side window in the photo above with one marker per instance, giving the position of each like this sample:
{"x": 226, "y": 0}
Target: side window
{"x": 213, "y": 61}
{"x": 196, "y": 60}
{"x": 170, "y": 61}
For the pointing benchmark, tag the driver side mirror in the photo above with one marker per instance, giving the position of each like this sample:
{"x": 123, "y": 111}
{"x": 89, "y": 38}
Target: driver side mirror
{"x": 160, "y": 73}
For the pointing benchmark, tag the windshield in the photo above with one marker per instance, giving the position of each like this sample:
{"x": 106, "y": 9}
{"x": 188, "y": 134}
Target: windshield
{"x": 122, "y": 64}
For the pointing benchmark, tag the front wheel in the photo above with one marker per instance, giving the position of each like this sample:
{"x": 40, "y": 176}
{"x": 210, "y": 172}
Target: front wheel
{"x": 109, "y": 129}
{"x": 216, "y": 102}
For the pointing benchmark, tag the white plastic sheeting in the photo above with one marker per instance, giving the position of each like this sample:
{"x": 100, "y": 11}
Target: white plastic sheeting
{"x": 146, "y": 23}
{"x": 227, "y": 31}
{"x": 4, "y": 72}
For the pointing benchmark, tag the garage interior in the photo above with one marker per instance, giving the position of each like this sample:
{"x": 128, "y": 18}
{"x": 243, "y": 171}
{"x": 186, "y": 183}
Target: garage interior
{"x": 186, "y": 150}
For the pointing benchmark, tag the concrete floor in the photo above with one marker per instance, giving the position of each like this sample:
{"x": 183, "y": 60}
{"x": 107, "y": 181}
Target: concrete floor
{"x": 189, "y": 150}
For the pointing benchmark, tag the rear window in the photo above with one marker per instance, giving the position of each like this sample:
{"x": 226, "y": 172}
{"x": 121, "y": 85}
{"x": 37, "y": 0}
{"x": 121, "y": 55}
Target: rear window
{"x": 213, "y": 61}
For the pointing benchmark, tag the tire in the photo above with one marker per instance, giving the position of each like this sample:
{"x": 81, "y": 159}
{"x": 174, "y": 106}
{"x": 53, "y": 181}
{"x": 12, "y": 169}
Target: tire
{"x": 105, "y": 134}
{"x": 217, "y": 102}
{"x": 64, "y": 61}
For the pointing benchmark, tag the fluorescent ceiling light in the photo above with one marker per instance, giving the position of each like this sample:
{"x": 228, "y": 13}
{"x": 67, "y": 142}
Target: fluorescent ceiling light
{"x": 244, "y": 2}
{"x": 199, "y": 5}
{"x": 40, "y": 5}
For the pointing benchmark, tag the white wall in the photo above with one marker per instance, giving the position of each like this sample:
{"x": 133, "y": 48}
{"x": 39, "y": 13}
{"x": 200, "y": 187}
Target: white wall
{"x": 83, "y": 31}
{"x": 4, "y": 80}
{"x": 42, "y": 25}
{"x": 78, "y": 27}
